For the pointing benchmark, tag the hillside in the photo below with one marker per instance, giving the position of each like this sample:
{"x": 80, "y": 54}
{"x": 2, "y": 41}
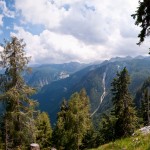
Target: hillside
{"x": 45, "y": 74}
{"x": 90, "y": 78}
{"x": 138, "y": 142}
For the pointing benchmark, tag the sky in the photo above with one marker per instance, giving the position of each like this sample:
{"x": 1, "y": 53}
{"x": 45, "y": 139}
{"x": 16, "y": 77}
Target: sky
{"x": 60, "y": 31}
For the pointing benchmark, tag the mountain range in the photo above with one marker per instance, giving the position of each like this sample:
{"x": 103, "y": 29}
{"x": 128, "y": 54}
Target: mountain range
{"x": 92, "y": 77}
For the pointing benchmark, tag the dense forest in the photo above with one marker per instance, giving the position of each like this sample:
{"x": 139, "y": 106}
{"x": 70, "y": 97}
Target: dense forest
{"x": 21, "y": 123}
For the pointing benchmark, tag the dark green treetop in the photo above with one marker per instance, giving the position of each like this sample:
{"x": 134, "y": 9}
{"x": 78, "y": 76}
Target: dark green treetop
{"x": 142, "y": 19}
{"x": 124, "y": 110}
{"x": 19, "y": 108}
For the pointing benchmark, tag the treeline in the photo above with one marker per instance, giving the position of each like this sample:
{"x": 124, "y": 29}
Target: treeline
{"x": 22, "y": 124}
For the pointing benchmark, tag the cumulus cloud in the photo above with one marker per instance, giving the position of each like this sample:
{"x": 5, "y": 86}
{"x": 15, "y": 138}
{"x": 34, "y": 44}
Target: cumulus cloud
{"x": 40, "y": 12}
{"x": 79, "y": 30}
{"x": 5, "y": 10}
{"x": 1, "y": 20}
{"x": 84, "y": 22}
{"x": 50, "y": 47}
{"x": 89, "y": 21}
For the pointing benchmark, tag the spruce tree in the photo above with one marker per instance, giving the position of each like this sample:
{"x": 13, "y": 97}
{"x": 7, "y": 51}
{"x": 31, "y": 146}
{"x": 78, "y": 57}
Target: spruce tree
{"x": 107, "y": 128}
{"x": 142, "y": 19}
{"x": 80, "y": 117}
{"x": 124, "y": 110}
{"x": 61, "y": 130}
{"x": 44, "y": 131}
{"x": 145, "y": 107}
{"x": 19, "y": 108}
{"x": 73, "y": 122}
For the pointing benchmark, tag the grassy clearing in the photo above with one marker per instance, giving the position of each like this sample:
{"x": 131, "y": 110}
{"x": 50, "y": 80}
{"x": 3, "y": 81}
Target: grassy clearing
{"x": 137, "y": 142}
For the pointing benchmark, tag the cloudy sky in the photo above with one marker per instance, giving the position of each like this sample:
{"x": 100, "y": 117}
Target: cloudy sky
{"x": 58, "y": 31}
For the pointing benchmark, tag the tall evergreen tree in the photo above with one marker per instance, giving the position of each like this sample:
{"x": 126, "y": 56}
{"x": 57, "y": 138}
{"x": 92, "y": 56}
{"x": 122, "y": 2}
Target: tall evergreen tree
{"x": 145, "y": 107}
{"x": 73, "y": 122}
{"x": 79, "y": 117}
{"x": 124, "y": 110}
{"x": 107, "y": 128}
{"x": 44, "y": 131}
{"x": 19, "y": 108}
{"x": 61, "y": 131}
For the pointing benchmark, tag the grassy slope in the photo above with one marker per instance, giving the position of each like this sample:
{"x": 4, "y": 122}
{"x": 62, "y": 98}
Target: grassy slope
{"x": 138, "y": 142}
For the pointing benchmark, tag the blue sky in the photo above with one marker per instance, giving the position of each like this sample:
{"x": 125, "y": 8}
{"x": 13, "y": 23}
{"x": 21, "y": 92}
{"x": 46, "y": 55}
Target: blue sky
{"x": 58, "y": 31}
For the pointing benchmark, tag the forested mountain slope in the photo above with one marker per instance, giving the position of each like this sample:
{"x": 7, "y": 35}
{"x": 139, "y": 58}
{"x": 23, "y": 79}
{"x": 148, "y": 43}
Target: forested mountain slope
{"x": 91, "y": 78}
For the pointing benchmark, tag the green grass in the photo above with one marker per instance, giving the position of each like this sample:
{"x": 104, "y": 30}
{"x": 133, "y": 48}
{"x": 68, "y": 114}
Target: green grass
{"x": 138, "y": 142}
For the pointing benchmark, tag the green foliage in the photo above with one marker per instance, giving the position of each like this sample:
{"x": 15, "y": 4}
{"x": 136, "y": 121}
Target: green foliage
{"x": 19, "y": 126}
{"x": 142, "y": 101}
{"x": 1, "y": 141}
{"x": 124, "y": 111}
{"x": 73, "y": 122}
{"x": 107, "y": 128}
{"x": 142, "y": 17}
{"x": 145, "y": 107}
{"x": 91, "y": 139}
{"x": 138, "y": 142}
{"x": 44, "y": 130}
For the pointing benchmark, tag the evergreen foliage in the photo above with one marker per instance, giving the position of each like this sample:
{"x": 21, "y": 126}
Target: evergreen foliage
{"x": 44, "y": 130}
{"x": 107, "y": 128}
{"x": 145, "y": 107}
{"x": 19, "y": 126}
{"x": 91, "y": 139}
{"x": 142, "y": 17}
{"x": 142, "y": 100}
{"x": 124, "y": 110}
{"x": 73, "y": 122}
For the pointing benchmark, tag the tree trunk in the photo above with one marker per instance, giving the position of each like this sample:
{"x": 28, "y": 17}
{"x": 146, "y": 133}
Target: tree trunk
{"x": 6, "y": 136}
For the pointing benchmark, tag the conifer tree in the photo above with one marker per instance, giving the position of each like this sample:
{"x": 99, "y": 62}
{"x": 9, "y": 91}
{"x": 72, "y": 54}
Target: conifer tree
{"x": 80, "y": 117}
{"x": 44, "y": 131}
{"x": 107, "y": 128}
{"x": 142, "y": 19}
{"x": 145, "y": 107}
{"x": 19, "y": 108}
{"x": 124, "y": 110}
{"x": 73, "y": 122}
{"x": 61, "y": 131}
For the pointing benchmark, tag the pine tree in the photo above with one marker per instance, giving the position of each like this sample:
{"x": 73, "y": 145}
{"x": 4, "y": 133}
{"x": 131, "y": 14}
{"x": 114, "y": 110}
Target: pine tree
{"x": 142, "y": 19}
{"x": 107, "y": 128}
{"x": 60, "y": 133}
{"x": 80, "y": 117}
{"x": 73, "y": 122}
{"x": 145, "y": 107}
{"x": 44, "y": 131}
{"x": 124, "y": 110}
{"x": 19, "y": 108}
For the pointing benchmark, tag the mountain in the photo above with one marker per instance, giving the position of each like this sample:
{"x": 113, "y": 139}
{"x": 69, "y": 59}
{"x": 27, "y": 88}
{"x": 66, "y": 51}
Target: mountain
{"x": 45, "y": 74}
{"x": 93, "y": 78}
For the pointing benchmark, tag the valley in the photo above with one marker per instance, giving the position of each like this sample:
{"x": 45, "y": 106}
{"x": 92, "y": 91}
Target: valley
{"x": 96, "y": 79}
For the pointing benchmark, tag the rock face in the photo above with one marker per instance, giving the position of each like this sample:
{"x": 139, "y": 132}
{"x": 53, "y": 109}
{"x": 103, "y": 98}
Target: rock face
{"x": 34, "y": 146}
{"x": 145, "y": 130}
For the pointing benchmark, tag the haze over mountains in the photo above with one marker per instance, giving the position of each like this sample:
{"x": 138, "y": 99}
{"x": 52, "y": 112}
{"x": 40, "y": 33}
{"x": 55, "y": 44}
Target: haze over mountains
{"x": 58, "y": 81}
{"x": 44, "y": 74}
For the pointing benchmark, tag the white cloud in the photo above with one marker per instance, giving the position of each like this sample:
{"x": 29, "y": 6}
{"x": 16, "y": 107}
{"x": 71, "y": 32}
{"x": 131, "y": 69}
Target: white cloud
{"x": 50, "y": 47}
{"x": 5, "y": 10}
{"x": 1, "y": 48}
{"x": 89, "y": 21}
{"x": 79, "y": 30}
{"x": 40, "y": 12}
{"x": 1, "y": 20}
